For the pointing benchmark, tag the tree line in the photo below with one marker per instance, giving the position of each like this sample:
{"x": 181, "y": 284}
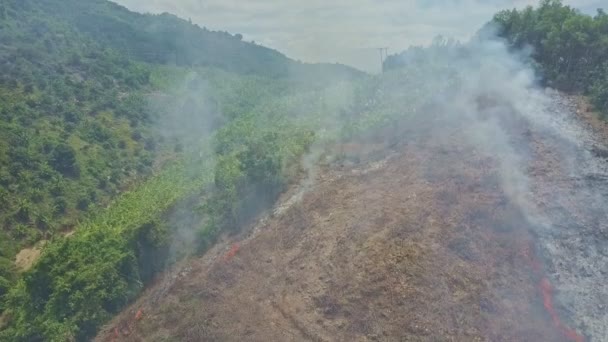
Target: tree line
{"x": 569, "y": 48}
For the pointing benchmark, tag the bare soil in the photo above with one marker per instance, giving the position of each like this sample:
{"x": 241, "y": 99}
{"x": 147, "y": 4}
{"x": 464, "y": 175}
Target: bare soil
{"x": 26, "y": 257}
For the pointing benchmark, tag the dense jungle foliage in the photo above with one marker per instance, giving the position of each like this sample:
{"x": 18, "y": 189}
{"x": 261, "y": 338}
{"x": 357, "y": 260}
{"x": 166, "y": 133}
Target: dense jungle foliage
{"x": 106, "y": 128}
{"x": 570, "y": 48}
{"x": 74, "y": 86}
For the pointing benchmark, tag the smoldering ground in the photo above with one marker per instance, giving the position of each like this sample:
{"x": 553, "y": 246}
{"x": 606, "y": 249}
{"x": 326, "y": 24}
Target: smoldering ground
{"x": 479, "y": 100}
{"x": 545, "y": 165}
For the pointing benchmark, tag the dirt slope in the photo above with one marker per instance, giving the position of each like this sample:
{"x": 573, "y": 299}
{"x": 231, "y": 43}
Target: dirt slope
{"x": 393, "y": 246}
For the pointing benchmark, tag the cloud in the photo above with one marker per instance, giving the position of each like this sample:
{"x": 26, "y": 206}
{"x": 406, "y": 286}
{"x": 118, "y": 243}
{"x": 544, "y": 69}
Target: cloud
{"x": 346, "y": 31}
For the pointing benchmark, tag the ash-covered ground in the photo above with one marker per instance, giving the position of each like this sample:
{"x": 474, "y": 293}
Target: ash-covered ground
{"x": 569, "y": 170}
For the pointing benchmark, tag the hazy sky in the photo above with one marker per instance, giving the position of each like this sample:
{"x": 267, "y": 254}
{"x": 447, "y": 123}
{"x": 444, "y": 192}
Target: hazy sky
{"x": 344, "y": 31}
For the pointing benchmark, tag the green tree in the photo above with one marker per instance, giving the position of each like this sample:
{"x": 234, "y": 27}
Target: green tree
{"x": 63, "y": 159}
{"x": 569, "y": 47}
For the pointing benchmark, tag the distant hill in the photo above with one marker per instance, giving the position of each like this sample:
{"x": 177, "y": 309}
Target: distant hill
{"x": 148, "y": 38}
{"x": 159, "y": 39}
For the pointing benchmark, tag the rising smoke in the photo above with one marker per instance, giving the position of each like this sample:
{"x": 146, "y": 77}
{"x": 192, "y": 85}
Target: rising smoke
{"x": 493, "y": 98}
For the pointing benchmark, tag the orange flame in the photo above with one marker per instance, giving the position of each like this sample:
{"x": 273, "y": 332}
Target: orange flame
{"x": 139, "y": 314}
{"x": 232, "y": 252}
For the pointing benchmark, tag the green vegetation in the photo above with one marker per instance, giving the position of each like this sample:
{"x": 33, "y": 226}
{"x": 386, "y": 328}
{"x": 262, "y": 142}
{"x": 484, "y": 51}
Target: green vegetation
{"x": 80, "y": 281}
{"x": 7, "y": 269}
{"x": 569, "y": 47}
{"x": 73, "y": 125}
{"x": 157, "y": 39}
{"x": 77, "y": 79}
{"x": 255, "y": 154}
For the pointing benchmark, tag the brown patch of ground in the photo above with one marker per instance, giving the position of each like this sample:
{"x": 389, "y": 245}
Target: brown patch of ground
{"x": 409, "y": 248}
{"x": 28, "y": 256}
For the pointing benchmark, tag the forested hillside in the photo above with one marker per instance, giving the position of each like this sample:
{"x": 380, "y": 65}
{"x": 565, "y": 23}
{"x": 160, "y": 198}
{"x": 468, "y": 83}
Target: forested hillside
{"x": 74, "y": 127}
{"x": 106, "y": 118}
{"x": 74, "y": 86}
{"x": 570, "y": 48}
{"x": 162, "y": 39}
